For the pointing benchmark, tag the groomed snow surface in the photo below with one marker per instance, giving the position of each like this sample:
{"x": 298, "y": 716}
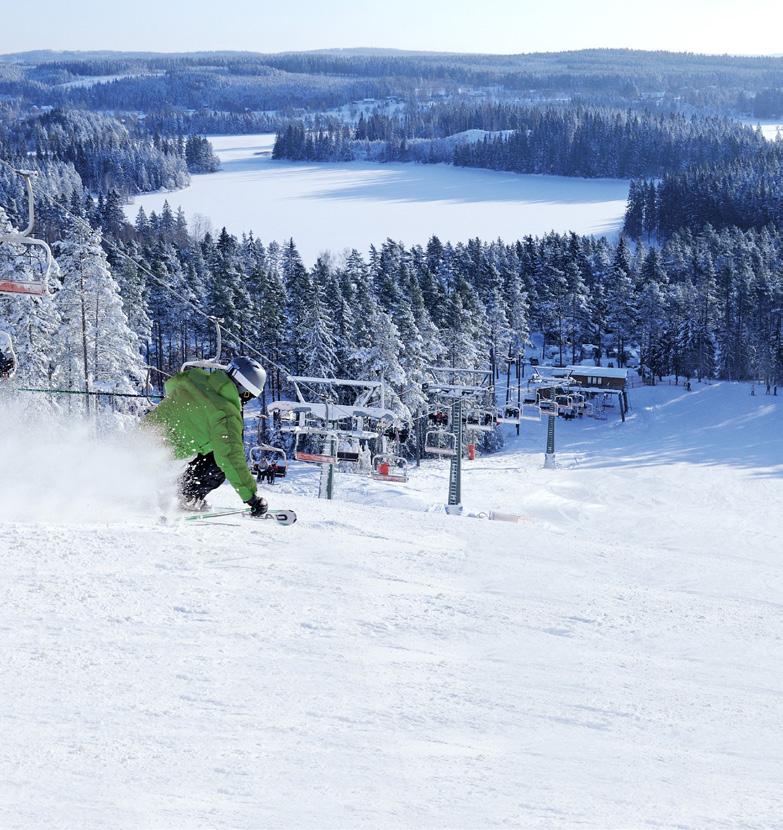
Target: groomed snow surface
{"x": 614, "y": 660}
{"x": 338, "y": 206}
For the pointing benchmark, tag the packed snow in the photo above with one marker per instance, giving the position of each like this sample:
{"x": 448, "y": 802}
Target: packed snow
{"x": 343, "y": 205}
{"x": 612, "y": 660}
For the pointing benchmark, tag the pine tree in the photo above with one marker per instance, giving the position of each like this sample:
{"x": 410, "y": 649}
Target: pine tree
{"x": 299, "y": 290}
{"x": 621, "y": 305}
{"x": 317, "y": 337}
{"x": 650, "y": 306}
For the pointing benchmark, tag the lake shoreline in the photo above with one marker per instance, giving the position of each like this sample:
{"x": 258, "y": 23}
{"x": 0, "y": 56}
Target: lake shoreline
{"x": 338, "y": 206}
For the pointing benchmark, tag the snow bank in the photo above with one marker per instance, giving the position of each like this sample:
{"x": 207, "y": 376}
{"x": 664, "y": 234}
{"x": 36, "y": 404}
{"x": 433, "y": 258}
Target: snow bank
{"x": 65, "y": 470}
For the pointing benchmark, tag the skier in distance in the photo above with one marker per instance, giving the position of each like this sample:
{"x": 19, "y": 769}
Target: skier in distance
{"x": 201, "y": 416}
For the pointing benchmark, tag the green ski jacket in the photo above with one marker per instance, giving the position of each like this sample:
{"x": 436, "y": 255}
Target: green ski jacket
{"x": 201, "y": 413}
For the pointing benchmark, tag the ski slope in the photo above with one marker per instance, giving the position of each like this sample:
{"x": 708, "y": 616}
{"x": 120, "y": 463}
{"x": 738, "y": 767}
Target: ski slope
{"x": 613, "y": 660}
{"x": 342, "y": 205}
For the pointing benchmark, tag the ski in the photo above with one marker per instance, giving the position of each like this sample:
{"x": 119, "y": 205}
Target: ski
{"x": 495, "y": 516}
{"x": 282, "y": 517}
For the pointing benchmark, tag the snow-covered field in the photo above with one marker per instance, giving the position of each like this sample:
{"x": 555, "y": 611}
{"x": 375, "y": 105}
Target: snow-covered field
{"x": 614, "y": 660}
{"x": 93, "y": 80}
{"x": 353, "y": 205}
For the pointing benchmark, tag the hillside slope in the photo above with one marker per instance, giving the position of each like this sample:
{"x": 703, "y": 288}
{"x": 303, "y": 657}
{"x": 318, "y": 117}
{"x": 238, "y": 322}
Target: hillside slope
{"x": 612, "y": 660}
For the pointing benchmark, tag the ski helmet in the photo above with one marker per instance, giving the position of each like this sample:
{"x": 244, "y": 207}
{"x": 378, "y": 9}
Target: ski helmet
{"x": 247, "y": 373}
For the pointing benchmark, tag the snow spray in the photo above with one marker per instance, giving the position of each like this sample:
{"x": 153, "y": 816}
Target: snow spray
{"x": 71, "y": 470}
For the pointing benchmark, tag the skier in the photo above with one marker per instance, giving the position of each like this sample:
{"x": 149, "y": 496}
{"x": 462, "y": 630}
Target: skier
{"x": 271, "y": 472}
{"x": 201, "y": 415}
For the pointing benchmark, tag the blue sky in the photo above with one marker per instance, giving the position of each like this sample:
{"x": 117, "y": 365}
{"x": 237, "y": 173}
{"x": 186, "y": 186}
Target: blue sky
{"x": 500, "y": 26}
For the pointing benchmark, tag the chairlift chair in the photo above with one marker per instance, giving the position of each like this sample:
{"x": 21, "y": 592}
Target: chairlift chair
{"x": 483, "y": 420}
{"x": 440, "y": 442}
{"x": 512, "y": 414}
{"x": 323, "y": 457}
{"x": 389, "y": 467}
{"x": 38, "y": 286}
{"x": 439, "y": 417}
{"x": 398, "y": 432}
{"x": 530, "y": 412}
{"x": 351, "y": 454}
{"x": 566, "y": 406}
{"x": 259, "y": 464}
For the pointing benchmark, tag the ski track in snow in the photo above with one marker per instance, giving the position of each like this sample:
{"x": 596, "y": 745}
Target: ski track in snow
{"x": 614, "y": 660}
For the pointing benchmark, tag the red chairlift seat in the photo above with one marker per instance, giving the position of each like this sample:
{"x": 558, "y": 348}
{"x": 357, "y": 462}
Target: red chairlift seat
{"x": 31, "y": 286}
{"x": 389, "y": 468}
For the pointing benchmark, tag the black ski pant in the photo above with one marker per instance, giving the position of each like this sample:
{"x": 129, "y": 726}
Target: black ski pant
{"x": 202, "y": 476}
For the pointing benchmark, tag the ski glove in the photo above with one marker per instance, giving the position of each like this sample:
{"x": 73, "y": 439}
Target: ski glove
{"x": 258, "y": 506}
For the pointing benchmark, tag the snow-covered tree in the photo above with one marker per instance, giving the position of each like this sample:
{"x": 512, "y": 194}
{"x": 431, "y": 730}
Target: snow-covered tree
{"x": 98, "y": 349}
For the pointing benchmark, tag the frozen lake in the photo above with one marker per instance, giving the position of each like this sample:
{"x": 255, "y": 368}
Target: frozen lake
{"x": 770, "y": 128}
{"x": 353, "y": 205}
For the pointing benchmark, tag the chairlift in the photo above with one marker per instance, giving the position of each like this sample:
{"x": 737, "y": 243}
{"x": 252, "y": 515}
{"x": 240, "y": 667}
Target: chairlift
{"x": 37, "y": 286}
{"x": 439, "y": 417}
{"x": 512, "y": 414}
{"x": 389, "y": 467}
{"x": 483, "y": 420}
{"x": 548, "y": 406}
{"x": 323, "y": 457}
{"x": 566, "y": 406}
{"x": 440, "y": 442}
{"x": 530, "y": 412}
{"x": 260, "y": 464}
{"x": 399, "y": 432}
{"x": 29, "y": 286}
{"x": 351, "y": 454}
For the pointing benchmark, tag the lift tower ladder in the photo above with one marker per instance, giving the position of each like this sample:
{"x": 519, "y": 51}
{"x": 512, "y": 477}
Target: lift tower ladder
{"x": 455, "y": 468}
